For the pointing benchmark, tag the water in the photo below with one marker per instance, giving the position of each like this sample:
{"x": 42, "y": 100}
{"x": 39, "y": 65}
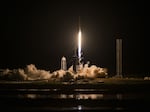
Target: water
{"x": 74, "y": 97}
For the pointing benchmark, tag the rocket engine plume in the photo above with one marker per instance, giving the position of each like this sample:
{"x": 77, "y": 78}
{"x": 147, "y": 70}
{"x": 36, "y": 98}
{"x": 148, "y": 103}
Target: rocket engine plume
{"x": 79, "y": 42}
{"x": 79, "y": 45}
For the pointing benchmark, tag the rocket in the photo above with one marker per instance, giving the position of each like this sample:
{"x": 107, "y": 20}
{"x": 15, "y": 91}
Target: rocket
{"x": 78, "y": 55}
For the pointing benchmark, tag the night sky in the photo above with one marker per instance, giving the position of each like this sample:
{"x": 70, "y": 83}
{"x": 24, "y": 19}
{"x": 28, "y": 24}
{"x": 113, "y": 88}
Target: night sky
{"x": 41, "y": 32}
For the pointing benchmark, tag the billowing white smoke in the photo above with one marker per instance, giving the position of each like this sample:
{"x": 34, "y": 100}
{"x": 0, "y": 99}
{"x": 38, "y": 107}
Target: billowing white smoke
{"x": 59, "y": 73}
{"x": 90, "y": 72}
{"x": 32, "y": 73}
{"x": 29, "y": 73}
{"x": 22, "y": 74}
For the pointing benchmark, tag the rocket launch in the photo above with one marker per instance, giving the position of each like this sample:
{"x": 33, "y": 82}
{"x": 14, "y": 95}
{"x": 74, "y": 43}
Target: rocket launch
{"x": 77, "y": 58}
{"x": 79, "y": 42}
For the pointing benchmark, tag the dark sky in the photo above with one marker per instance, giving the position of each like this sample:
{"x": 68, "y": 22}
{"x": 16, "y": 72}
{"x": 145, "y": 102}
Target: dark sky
{"x": 41, "y": 32}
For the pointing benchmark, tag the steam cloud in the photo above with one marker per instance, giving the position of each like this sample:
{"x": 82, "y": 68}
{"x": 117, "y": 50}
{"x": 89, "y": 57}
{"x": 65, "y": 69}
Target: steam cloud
{"x": 30, "y": 72}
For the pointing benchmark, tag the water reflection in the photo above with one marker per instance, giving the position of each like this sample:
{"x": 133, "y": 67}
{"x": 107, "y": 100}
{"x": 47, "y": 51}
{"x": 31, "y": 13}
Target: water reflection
{"x": 77, "y": 94}
{"x": 63, "y": 96}
{"x": 89, "y": 96}
{"x": 79, "y": 107}
{"x": 31, "y": 96}
{"x": 81, "y": 96}
{"x": 77, "y": 99}
{"x": 84, "y": 89}
{"x": 119, "y": 96}
{"x": 48, "y": 90}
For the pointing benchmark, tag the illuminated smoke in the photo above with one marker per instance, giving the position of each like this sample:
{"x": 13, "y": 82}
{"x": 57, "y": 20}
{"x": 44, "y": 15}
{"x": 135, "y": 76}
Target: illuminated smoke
{"x": 58, "y": 73}
{"x": 89, "y": 72}
{"x": 33, "y": 73}
{"x": 30, "y": 72}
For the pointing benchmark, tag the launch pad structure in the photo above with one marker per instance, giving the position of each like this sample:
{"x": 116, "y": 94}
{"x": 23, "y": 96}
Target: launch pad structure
{"x": 119, "y": 58}
{"x": 77, "y": 58}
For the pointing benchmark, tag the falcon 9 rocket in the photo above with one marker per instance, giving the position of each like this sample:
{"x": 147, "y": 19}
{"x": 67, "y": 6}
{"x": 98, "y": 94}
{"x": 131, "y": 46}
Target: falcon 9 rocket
{"x": 77, "y": 58}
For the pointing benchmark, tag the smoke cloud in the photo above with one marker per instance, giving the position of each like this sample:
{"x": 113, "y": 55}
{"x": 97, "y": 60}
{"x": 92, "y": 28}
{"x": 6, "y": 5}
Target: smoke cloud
{"x": 30, "y": 72}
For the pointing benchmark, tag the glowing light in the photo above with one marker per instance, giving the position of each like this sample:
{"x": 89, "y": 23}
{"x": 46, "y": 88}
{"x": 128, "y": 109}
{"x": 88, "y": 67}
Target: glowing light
{"x": 79, "y": 44}
{"x": 79, "y": 107}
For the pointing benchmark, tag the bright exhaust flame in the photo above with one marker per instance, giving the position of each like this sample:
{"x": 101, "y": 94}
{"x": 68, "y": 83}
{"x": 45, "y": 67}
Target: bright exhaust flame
{"x": 79, "y": 44}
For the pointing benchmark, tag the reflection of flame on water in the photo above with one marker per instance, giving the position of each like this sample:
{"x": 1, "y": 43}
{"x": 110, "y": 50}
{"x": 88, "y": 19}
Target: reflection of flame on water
{"x": 79, "y": 107}
{"x": 82, "y": 96}
{"x": 80, "y": 90}
{"x": 30, "y": 96}
{"x": 37, "y": 90}
{"x": 90, "y": 96}
{"x": 64, "y": 96}
{"x": 119, "y": 96}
